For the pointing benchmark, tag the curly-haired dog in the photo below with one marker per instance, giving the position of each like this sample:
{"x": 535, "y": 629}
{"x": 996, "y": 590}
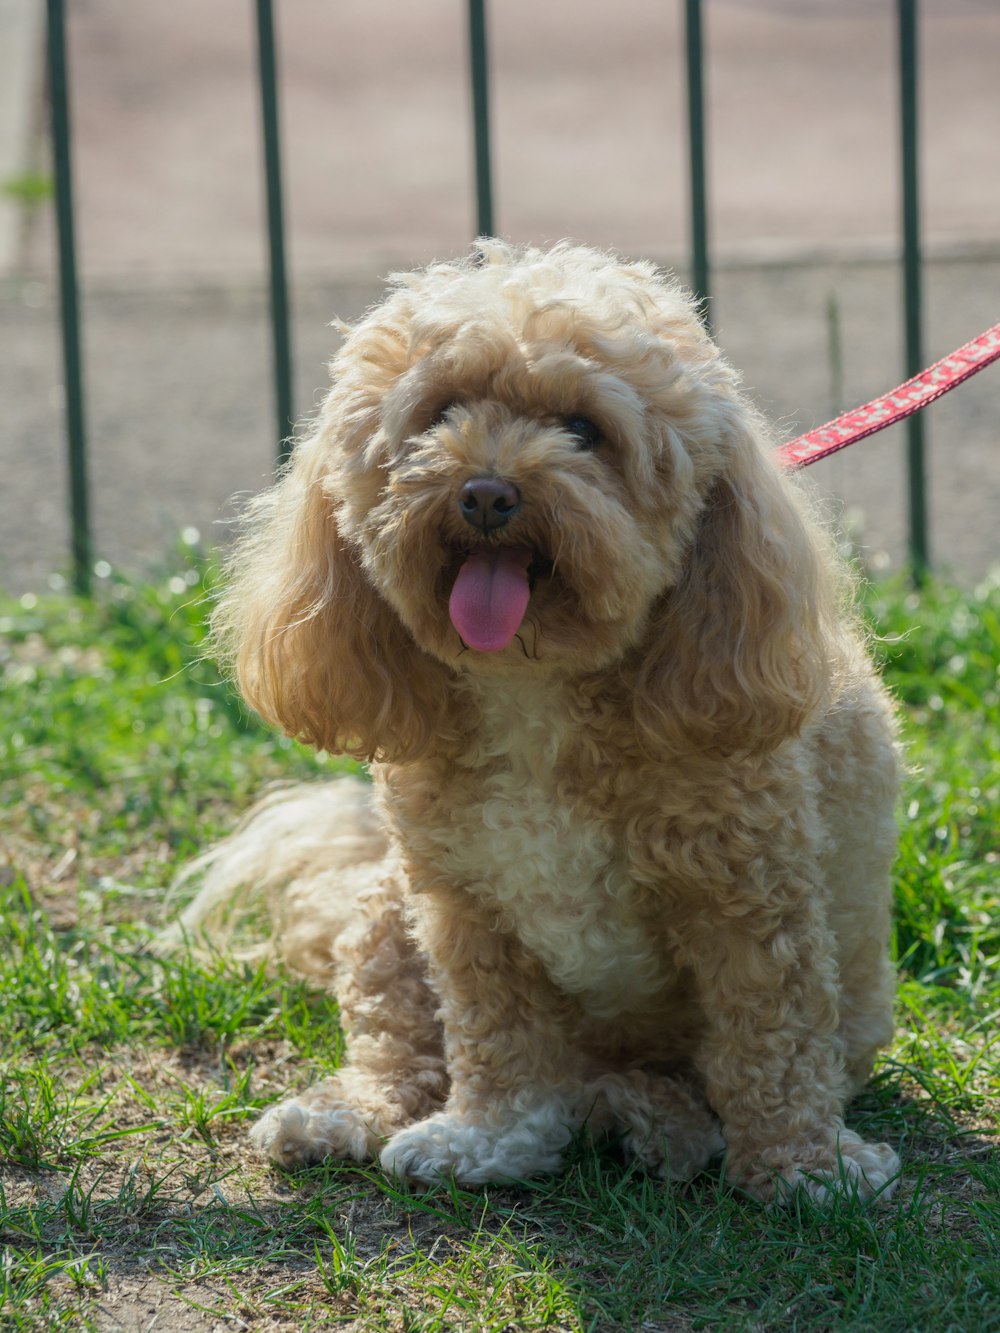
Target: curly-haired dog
{"x": 628, "y": 859}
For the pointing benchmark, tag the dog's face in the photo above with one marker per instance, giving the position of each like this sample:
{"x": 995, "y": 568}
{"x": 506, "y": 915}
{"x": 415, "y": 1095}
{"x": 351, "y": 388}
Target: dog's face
{"x": 534, "y": 451}
{"x": 537, "y": 464}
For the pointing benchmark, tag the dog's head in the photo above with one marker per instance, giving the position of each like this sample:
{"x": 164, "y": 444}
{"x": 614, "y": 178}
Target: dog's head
{"x": 530, "y": 462}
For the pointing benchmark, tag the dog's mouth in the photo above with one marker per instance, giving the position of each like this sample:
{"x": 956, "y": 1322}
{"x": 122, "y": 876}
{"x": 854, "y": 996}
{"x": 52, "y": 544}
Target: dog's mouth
{"x": 491, "y": 591}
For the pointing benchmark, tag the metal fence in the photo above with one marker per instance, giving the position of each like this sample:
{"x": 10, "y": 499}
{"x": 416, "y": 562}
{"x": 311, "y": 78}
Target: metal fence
{"x": 700, "y": 268}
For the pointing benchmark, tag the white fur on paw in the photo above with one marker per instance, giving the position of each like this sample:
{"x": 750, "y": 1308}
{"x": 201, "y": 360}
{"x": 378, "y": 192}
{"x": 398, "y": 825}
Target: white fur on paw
{"x": 444, "y": 1145}
{"x": 294, "y": 1134}
{"x": 861, "y": 1169}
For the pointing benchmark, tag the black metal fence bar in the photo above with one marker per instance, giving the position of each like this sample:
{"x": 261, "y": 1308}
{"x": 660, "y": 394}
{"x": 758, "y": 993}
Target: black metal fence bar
{"x": 913, "y": 295}
{"x": 907, "y": 11}
{"x": 696, "y": 155}
{"x": 479, "y": 72}
{"x": 76, "y": 435}
{"x": 280, "y": 321}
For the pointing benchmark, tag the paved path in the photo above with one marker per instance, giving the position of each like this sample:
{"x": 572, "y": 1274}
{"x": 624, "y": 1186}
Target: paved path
{"x": 589, "y": 137}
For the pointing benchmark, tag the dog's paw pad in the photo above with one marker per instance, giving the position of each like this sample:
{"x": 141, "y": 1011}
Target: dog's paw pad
{"x": 293, "y": 1134}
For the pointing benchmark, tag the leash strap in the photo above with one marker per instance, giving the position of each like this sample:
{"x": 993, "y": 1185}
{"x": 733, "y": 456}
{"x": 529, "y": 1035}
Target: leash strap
{"x": 910, "y": 397}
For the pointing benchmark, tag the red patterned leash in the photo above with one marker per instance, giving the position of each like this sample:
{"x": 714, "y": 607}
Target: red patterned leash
{"x": 910, "y": 397}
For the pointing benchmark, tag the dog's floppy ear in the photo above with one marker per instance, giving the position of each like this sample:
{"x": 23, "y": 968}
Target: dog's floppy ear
{"x": 313, "y": 646}
{"x": 742, "y": 650}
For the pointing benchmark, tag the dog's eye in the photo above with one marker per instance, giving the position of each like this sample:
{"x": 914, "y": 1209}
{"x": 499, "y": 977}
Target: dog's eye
{"x": 585, "y": 434}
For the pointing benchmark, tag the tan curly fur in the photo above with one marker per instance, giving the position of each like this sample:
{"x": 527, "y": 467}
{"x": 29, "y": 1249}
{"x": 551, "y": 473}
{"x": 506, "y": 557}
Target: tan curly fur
{"x": 632, "y": 869}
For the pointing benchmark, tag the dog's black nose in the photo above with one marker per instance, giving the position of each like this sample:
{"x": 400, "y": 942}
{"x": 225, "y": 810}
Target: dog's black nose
{"x": 488, "y": 503}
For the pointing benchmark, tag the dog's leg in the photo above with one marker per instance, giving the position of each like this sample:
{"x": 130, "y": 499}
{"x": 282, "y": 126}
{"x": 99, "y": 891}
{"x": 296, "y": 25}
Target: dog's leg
{"x": 858, "y": 808}
{"x": 396, "y": 1071}
{"x": 772, "y": 1059}
{"x": 867, "y": 990}
{"x": 516, "y": 1094}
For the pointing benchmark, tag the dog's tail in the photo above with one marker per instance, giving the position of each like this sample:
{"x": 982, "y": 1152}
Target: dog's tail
{"x": 287, "y": 880}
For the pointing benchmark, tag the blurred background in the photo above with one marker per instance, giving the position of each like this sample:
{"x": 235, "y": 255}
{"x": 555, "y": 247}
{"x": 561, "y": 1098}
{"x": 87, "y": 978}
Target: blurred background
{"x": 589, "y": 132}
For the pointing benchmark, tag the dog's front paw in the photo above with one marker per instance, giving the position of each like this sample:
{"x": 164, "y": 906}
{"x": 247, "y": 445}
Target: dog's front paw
{"x": 303, "y": 1131}
{"x": 864, "y": 1170}
{"x": 445, "y": 1145}
{"x": 847, "y": 1167}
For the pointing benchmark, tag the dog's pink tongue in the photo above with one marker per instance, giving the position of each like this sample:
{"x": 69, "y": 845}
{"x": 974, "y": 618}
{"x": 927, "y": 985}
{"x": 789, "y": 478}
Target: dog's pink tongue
{"x": 490, "y": 597}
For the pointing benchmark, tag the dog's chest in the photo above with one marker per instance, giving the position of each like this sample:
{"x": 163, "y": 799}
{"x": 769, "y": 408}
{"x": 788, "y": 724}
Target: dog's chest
{"x": 518, "y": 838}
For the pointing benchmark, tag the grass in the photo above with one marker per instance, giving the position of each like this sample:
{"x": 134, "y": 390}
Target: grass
{"x": 127, "y": 1196}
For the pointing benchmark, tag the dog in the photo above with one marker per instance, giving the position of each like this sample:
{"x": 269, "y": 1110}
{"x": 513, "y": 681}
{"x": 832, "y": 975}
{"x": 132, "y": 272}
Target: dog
{"x": 625, "y": 860}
